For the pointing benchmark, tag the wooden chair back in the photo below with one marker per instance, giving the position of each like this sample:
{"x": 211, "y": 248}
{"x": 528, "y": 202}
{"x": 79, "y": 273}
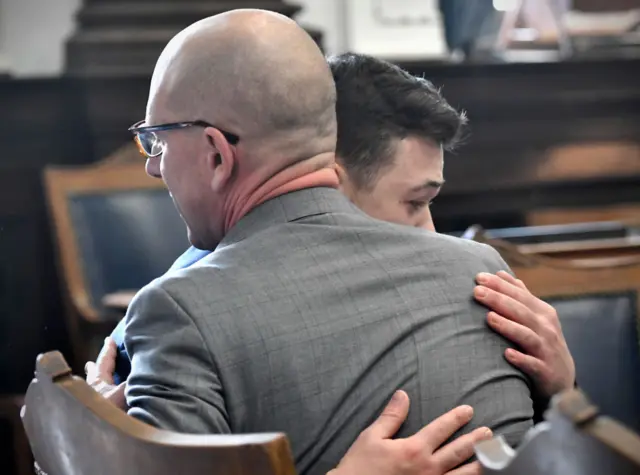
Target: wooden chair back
{"x": 72, "y": 430}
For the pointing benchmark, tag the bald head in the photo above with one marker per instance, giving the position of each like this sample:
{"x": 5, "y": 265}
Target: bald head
{"x": 253, "y": 72}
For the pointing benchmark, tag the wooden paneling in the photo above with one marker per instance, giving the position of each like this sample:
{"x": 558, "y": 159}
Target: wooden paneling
{"x": 563, "y": 134}
{"x": 125, "y": 38}
{"x": 42, "y": 120}
{"x": 629, "y": 213}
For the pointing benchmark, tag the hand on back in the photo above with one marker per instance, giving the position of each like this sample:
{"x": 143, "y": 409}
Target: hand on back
{"x": 533, "y": 325}
{"x": 375, "y": 452}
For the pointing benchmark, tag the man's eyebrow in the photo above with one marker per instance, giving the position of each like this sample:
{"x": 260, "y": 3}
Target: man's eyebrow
{"x": 428, "y": 184}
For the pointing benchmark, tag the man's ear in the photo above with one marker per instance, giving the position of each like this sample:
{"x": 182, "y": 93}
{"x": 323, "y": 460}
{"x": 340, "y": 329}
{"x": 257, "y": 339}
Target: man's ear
{"x": 343, "y": 180}
{"x": 221, "y": 159}
{"x": 342, "y": 174}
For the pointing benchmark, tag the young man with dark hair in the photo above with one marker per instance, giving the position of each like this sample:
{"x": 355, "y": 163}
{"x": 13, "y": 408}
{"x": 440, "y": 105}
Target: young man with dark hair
{"x": 392, "y": 131}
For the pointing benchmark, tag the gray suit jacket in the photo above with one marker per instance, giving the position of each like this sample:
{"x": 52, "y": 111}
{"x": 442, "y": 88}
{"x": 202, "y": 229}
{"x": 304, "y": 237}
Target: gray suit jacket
{"x": 305, "y": 320}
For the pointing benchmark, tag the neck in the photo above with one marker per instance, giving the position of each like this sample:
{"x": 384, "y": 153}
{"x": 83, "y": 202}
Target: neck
{"x": 255, "y": 188}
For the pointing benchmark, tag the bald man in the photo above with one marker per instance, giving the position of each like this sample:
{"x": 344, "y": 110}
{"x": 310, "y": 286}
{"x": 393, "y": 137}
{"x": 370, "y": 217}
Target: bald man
{"x": 309, "y": 314}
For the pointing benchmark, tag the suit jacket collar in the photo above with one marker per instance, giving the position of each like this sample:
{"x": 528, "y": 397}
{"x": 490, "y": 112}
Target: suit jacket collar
{"x": 286, "y": 208}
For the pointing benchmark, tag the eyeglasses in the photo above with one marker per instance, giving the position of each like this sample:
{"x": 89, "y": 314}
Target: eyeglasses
{"x": 150, "y": 146}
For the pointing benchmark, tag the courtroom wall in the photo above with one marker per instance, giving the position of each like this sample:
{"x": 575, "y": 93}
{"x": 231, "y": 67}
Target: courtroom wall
{"x": 32, "y": 35}
{"x": 33, "y": 32}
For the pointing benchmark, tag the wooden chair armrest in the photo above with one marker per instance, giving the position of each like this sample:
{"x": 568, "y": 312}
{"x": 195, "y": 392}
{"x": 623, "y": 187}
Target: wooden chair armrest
{"x": 512, "y": 254}
{"x": 119, "y": 300}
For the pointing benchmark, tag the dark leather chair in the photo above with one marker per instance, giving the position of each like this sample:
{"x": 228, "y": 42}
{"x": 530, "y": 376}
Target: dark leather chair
{"x": 594, "y": 284}
{"x": 126, "y": 238}
{"x": 575, "y": 439}
{"x": 602, "y": 334}
{"x": 116, "y": 230}
{"x": 73, "y": 430}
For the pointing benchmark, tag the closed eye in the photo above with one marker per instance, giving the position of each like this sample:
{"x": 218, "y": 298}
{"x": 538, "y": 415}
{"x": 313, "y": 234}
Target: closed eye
{"x": 417, "y": 205}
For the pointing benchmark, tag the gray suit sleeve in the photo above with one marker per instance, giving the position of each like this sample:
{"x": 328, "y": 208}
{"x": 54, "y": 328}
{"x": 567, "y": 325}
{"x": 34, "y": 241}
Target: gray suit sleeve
{"x": 173, "y": 383}
{"x": 495, "y": 263}
{"x": 540, "y": 402}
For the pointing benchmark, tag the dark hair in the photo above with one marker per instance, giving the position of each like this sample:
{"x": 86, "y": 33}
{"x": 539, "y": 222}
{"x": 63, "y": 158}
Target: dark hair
{"x": 378, "y": 104}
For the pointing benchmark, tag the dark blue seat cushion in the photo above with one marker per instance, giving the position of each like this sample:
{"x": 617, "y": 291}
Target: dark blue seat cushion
{"x": 126, "y": 239}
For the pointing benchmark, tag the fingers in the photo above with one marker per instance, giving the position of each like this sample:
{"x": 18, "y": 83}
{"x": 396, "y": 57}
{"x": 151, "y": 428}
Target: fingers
{"x": 437, "y": 432}
{"x": 521, "y": 335}
{"x": 461, "y": 449}
{"x": 503, "y": 291}
{"x": 102, "y": 370}
{"x": 106, "y": 362}
{"x": 531, "y": 365}
{"x": 534, "y": 303}
{"x": 116, "y": 396}
{"x": 506, "y": 284}
{"x": 506, "y": 306}
{"x": 91, "y": 370}
{"x": 499, "y": 284}
{"x": 392, "y": 417}
{"x": 511, "y": 279}
{"x": 468, "y": 469}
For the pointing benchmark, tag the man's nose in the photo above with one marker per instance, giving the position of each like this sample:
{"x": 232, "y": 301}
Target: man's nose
{"x": 427, "y": 223}
{"x": 429, "y": 226}
{"x": 152, "y": 167}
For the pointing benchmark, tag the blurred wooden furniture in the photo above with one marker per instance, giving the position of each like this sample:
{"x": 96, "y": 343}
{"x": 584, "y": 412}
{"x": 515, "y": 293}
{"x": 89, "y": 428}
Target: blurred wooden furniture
{"x": 73, "y": 430}
{"x": 115, "y": 229}
{"x": 594, "y": 284}
{"x": 125, "y": 38}
{"x": 577, "y": 439}
{"x": 623, "y": 212}
{"x": 119, "y": 301}
{"x": 580, "y": 147}
{"x": 20, "y": 454}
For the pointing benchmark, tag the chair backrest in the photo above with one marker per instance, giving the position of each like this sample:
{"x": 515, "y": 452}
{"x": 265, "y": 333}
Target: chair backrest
{"x": 72, "y": 430}
{"x": 597, "y": 296}
{"x": 574, "y": 440}
{"x": 601, "y": 330}
{"x": 116, "y": 229}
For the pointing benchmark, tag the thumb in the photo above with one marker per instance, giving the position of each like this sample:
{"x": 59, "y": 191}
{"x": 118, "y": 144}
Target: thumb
{"x": 392, "y": 417}
{"x": 91, "y": 371}
{"x": 106, "y": 362}
{"x": 116, "y": 396}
